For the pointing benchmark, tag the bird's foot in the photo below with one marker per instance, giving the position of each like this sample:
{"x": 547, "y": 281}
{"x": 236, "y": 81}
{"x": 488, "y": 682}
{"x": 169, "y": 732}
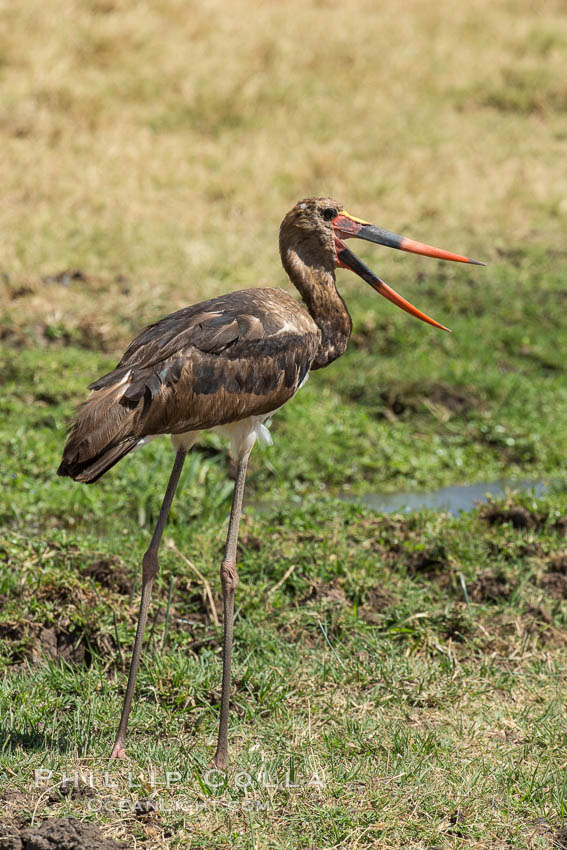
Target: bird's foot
{"x": 118, "y": 751}
{"x": 220, "y": 762}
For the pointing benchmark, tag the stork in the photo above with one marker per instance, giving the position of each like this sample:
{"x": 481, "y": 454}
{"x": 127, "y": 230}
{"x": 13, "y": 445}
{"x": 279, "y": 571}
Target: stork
{"x": 226, "y": 365}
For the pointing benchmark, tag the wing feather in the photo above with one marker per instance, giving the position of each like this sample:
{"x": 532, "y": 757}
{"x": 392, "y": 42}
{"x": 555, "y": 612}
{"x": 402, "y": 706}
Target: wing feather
{"x": 240, "y": 355}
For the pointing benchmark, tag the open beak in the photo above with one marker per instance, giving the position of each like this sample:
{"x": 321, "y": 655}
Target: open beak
{"x": 346, "y": 226}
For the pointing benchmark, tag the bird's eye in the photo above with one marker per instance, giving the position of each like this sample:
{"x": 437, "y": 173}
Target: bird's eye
{"x": 329, "y": 214}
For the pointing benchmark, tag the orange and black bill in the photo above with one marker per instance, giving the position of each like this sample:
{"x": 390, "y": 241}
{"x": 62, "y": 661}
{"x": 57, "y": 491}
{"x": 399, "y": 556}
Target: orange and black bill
{"x": 346, "y": 226}
{"x": 348, "y": 261}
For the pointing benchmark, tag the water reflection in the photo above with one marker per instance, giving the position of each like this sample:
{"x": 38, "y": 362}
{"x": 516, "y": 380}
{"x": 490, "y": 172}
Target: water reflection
{"x": 451, "y": 499}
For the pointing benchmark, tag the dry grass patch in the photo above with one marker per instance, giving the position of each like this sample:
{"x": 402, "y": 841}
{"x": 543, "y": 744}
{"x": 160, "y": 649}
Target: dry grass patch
{"x": 165, "y": 143}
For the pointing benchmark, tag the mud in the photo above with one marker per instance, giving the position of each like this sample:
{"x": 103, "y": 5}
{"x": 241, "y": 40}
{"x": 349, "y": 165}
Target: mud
{"x": 429, "y": 561}
{"x": 512, "y": 550}
{"x": 436, "y": 399}
{"x": 560, "y": 526}
{"x": 70, "y": 790}
{"x": 555, "y": 584}
{"x": 490, "y": 587}
{"x": 56, "y": 834}
{"x": 110, "y": 572}
{"x": 376, "y": 601}
{"x": 330, "y": 592}
{"x": 516, "y": 515}
{"x": 249, "y": 543}
{"x": 558, "y": 563}
{"x": 537, "y": 615}
{"x": 39, "y": 643}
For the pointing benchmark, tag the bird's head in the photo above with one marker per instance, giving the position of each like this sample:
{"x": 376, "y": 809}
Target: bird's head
{"x": 317, "y": 229}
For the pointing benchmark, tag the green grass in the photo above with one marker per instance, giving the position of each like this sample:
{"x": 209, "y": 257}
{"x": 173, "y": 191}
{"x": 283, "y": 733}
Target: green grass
{"x": 401, "y": 687}
{"x": 401, "y": 710}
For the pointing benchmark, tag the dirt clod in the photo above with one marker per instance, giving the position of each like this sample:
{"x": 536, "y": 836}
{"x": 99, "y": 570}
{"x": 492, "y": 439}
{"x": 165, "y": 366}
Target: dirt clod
{"x": 68, "y": 789}
{"x": 429, "y": 561}
{"x": 66, "y": 277}
{"x": 11, "y": 631}
{"x": 437, "y": 397}
{"x": 516, "y": 515}
{"x": 10, "y": 837}
{"x": 145, "y": 806}
{"x": 57, "y": 834}
{"x": 555, "y": 584}
{"x": 538, "y": 614}
{"x": 330, "y": 592}
{"x": 560, "y": 525}
{"x": 111, "y": 573}
{"x": 554, "y": 581}
{"x": 458, "y": 823}
{"x": 39, "y": 642}
{"x": 376, "y": 601}
{"x": 250, "y": 542}
{"x": 490, "y": 587}
{"x": 55, "y": 643}
{"x": 558, "y": 563}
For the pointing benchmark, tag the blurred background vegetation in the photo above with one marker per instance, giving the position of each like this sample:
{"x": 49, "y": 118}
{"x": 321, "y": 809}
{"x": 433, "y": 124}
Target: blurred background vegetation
{"x": 150, "y": 152}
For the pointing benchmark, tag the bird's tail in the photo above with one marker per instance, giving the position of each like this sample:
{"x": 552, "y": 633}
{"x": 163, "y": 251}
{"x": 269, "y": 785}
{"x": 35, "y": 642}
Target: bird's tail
{"x": 101, "y": 434}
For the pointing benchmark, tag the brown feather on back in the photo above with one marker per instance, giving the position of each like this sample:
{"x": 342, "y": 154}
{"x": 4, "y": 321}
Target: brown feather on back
{"x": 240, "y": 355}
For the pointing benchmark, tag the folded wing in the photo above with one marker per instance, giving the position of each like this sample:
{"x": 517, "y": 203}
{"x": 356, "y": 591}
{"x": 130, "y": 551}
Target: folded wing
{"x": 219, "y": 361}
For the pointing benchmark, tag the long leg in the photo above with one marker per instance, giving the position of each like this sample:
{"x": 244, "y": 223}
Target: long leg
{"x": 150, "y": 568}
{"x": 229, "y": 581}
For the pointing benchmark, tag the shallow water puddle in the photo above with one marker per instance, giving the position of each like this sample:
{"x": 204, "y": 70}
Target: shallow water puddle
{"x": 452, "y": 499}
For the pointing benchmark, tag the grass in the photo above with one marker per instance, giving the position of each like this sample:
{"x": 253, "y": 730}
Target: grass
{"x": 402, "y": 686}
{"x": 399, "y": 680}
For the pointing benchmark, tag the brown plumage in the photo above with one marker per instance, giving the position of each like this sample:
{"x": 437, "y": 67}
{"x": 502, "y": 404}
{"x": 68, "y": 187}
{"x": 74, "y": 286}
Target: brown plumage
{"x": 243, "y": 354}
{"x": 228, "y": 363}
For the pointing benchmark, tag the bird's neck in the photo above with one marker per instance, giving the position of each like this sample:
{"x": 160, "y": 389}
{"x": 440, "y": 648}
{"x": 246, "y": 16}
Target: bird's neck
{"x": 317, "y": 285}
